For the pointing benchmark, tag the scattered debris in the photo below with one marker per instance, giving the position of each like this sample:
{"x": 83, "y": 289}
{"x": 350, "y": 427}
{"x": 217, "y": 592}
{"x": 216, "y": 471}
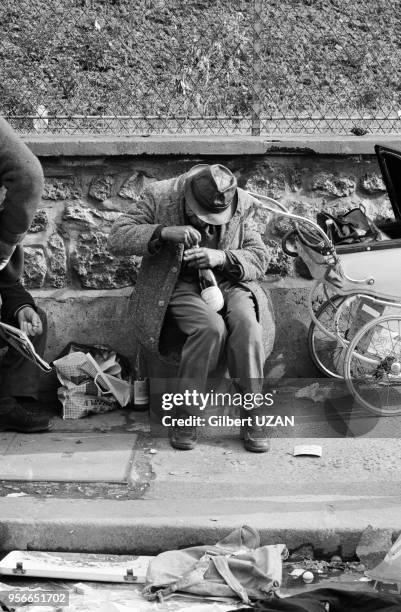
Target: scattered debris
{"x": 296, "y": 573}
{"x": 373, "y": 546}
{"x": 5, "y": 587}
{"x": 205, "y": 608}
{"x": 313, "y": 392}
{"x": 359, "y": 131}
{"x": 389, "y": 570}
{"x": 20, "y": 494}
{"x": 83, "y": 589}
{"x": 302, "y": 553}
{"x": 312, "y": 450}
{"x": 308, "y": 577}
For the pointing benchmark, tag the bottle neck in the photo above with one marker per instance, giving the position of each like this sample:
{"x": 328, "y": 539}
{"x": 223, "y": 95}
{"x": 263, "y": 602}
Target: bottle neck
{"x": 207, "y": 277}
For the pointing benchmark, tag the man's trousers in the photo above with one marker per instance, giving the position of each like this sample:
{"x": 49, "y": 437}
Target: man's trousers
{"x": 233, "y": 335}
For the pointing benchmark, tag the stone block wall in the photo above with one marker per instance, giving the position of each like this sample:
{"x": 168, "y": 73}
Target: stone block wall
{"x": 309, "y": 185}
{"x": 66, "y": 246}
{"x": 85, "y": 291}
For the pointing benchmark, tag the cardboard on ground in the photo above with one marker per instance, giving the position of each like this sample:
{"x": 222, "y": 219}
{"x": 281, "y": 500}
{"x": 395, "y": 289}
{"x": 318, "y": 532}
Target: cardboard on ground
{"x": 308, "y": 449}
{"x": 75, "y": 566}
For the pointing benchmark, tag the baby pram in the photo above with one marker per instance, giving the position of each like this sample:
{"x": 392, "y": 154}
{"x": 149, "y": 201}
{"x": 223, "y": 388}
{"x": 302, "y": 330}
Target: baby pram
{"x": 355, "y": 333}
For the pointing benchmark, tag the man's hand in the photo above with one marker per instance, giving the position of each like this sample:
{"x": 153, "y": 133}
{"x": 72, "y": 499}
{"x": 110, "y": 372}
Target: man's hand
{"x": 203, "y": 257}
{"x": 185, "y": 234}
{"x": 29, "y": 321}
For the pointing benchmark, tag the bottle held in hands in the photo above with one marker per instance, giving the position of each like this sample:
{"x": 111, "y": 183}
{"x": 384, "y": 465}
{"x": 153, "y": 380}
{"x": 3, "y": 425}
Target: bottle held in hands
{"x": 210, "y": 292}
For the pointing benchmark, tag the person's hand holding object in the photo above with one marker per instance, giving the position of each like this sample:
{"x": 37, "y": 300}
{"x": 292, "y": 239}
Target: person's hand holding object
{"x": 185, "y": 234}
{"x": 29, "y": 321}
{"x": 202, "y": 257}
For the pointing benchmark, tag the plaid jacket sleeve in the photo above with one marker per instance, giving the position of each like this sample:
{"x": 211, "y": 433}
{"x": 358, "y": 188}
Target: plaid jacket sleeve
{"x": 253, "y": 256}
{"x": 132, "y": 232}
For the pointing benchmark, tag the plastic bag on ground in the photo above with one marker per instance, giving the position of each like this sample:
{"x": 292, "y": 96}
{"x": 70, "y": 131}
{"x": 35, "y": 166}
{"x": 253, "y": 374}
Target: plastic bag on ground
{"x": 89, "y": 383}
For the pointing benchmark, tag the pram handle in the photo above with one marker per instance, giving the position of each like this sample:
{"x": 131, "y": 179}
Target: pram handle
{"x": 284, "y": 212}
{"x": 369, "y": 280}
{"x": 281, "y": 210}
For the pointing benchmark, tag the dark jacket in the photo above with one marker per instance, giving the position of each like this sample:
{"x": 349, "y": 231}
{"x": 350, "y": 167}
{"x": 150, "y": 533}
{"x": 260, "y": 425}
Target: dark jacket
{"x": 163, "y": 204}
{"x": 22, "y": 176}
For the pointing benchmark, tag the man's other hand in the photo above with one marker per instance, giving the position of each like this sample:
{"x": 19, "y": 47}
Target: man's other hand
{"x": 203, "y": 257}
{"x": 29, "y": 321}
{"x": 185, "y": 234}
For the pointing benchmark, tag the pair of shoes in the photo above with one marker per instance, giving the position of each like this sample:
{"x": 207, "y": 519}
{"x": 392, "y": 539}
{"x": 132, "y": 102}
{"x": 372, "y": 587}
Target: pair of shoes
{"x": 184, "y": 437}
{"x": 14, "y": 417}
{"x": 254, "y": 436}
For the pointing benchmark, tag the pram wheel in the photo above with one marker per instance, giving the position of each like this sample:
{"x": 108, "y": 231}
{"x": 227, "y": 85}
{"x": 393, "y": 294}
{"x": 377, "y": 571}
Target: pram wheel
{"x": 372, "y": 366}
{"x": 325, "y": 349}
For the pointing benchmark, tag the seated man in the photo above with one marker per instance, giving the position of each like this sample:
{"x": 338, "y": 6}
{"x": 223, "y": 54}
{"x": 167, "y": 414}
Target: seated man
{"x": 22, "y": 177}
{"x": 201, "y": 219}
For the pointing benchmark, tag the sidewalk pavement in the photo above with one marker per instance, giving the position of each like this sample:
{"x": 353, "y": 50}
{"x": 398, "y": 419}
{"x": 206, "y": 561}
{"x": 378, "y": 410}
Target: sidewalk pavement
{"x": 105, "y": 484}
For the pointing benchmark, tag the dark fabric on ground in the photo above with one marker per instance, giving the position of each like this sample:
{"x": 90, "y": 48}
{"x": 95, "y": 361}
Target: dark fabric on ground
{"x": 331, "y": 600}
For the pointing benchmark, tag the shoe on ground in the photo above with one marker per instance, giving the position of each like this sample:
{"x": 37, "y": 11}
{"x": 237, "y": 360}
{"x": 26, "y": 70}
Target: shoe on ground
{"x": 14, "y": 417}
{"x": 255, "y": 439}
{"x": 183, "y": 438}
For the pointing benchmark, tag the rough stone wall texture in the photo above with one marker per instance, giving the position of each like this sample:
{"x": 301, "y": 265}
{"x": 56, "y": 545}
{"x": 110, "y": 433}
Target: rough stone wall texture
{"x": 66, "y": 246}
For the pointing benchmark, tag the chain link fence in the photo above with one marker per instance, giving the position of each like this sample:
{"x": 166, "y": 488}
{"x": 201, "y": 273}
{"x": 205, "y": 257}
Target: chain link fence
{"x": 219, "y": 67}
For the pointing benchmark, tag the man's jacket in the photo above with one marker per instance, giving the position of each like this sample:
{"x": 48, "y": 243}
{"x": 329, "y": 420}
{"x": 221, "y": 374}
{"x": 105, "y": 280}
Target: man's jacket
{"x": 22, "y": 176}
{"x": 163, "y": 204}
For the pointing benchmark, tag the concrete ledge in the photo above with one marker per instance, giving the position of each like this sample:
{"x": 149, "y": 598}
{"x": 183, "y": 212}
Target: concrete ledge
{"x": 81, "y": 295}
{"x": 148, "y": 527}
{"x": 87, "y": 317}
{"x": 273, "y": 283}
{"x": 88, "y": 145}
{"x": 99, "y": 316}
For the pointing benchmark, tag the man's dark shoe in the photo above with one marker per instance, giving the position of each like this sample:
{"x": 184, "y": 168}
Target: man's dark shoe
{"x": 183, "y": 438}
{"x": 13, "y": 417}
{"x": 254, "y": 436}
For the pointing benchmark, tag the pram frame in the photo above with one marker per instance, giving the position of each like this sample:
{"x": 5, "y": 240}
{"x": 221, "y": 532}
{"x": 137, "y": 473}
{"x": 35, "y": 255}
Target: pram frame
{"x": 357, "y": 289}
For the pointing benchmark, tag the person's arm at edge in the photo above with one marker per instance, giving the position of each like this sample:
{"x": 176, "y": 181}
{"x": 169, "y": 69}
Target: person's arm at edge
{"x": 22, "y": 175}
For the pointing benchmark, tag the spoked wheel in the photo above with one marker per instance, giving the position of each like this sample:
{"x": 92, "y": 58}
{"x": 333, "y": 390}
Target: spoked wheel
{"x": 372, "y": 366}
{"x": 326, "y": 351}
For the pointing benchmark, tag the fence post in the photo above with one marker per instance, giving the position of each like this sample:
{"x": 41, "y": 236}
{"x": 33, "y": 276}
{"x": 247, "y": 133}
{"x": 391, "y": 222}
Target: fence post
{"x": 256, "y": 67}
